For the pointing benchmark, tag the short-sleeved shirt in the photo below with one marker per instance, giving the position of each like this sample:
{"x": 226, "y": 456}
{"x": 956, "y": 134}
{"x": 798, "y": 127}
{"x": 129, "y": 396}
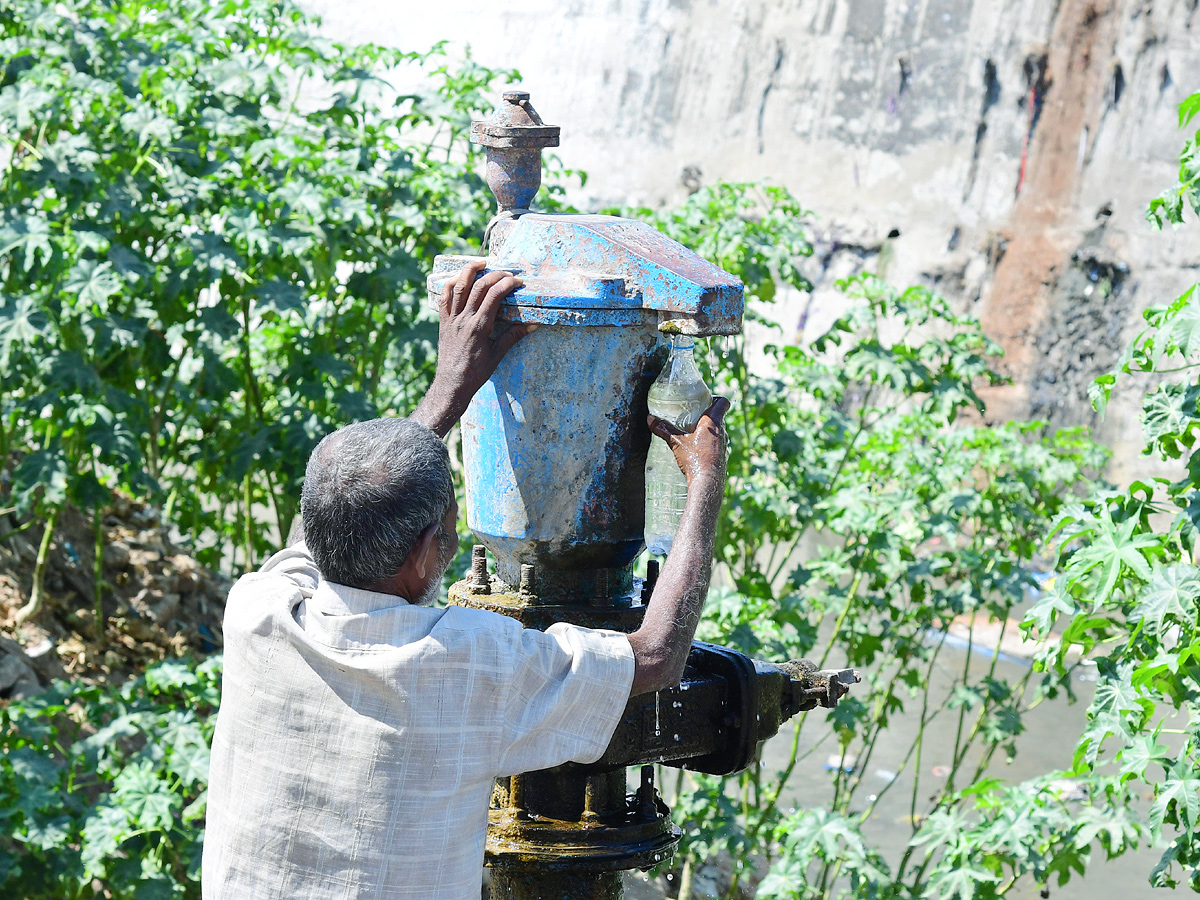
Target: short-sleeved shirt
{"x": 359, "y": 735}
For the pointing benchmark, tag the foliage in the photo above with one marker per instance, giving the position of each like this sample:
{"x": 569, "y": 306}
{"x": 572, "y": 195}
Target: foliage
{"x": 102, "y": 791}
{"x": 853, "y": 444}
{"x": 1170, "y": 205}
{"x": 1129, "y": 592}
{"x": 214, "y": 230}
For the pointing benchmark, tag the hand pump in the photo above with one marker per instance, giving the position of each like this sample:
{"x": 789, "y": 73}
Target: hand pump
{"x": 554, "y": 450}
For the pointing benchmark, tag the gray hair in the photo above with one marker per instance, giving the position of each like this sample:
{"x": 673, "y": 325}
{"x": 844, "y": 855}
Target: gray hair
{"x": 370, "y": 489}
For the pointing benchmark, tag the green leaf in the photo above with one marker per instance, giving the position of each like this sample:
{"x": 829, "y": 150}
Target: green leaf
{"x": 1043, "y": 614}
{"x": 47, "y": 834}
{"x": 190, "y": 762}
{"x": 1114, "y": 546}
{"x": 1169, "y": 413}
{"x": 960, "y": 882}
{"x": 33, "y": 234}
{"x": 1188, "y": 108}
{"x": 146, "y": 797}
{"x": 21, "y": 324}
{"x": 197, "y": 808}
{"x": 93, "y": 282}
{"x": 1114, "y": 826}
{"x": 105, "y": 829}
{"x": 942, "y": 828}
{"x": 45, "y": 470}
{"x": 1141, "y": 752}
{"x": 25, "y": 103}
{"x": 1178, "y": 799}
{"x": 1171, "y": 595}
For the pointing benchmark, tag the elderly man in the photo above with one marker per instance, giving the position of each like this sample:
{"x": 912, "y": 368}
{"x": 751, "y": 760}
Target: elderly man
{"x": 361, "y": 729}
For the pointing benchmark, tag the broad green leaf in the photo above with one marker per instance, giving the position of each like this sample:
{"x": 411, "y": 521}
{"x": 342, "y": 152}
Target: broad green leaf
{"x": 47, "y": 834}
{"x": 1169, "y": 414}
{"x": 961, "y": 881}
{"x": 197, "y": 808}
{"x": 1113, "y": 546}
{"x": 943, "y": 828}
{"x": 1141, "y": 752}
{"x": 1053, "y": 603}
{"x": 1115, "y": 827}
{"x": 93, "y": 283}
{"x": 105, "y": 828}
{"x": 1188, "y": 108}
{"x": 146, "y": 797}
{"x": 44, "y": 471}
{"x": 24, "y": 104}
{"x": 21, "y": 324}
{"x": 1178, "y": 798}
{"x": 1172, "y": 594}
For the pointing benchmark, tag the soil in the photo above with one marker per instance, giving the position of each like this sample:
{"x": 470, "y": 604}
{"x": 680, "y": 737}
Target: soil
{"x": 157, "y": 601}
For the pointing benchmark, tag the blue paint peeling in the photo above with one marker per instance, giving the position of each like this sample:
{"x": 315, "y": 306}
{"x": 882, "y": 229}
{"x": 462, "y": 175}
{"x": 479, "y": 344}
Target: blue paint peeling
{"x": 604, "y": 270}
{"x": 554, "y": 445}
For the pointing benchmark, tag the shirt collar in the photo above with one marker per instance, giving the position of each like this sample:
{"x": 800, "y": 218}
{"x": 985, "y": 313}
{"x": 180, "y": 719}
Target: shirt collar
{"x": 335, "y": 599}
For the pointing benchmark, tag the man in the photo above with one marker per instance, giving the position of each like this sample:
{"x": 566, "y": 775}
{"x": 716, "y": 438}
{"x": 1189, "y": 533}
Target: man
{"x": 360, "y": 729}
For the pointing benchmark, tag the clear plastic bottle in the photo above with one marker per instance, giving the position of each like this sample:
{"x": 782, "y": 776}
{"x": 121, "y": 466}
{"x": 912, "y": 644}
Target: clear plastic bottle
{"x": 680, "y": 396}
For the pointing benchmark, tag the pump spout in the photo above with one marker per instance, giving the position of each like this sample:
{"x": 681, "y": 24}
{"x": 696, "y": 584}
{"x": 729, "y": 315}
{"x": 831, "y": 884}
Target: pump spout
{"x": 717, "y": 718}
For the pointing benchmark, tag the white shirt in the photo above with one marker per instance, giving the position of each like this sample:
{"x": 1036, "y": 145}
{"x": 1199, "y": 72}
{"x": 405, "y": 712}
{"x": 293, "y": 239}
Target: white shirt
{"x": 359, "y": 735}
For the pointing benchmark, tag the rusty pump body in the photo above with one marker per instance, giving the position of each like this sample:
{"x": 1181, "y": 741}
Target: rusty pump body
{"x": 554, "y": 448}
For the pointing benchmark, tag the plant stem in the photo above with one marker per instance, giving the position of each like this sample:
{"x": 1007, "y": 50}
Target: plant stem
{"x": 256, "y": 400}
{"x": 98, "y": 575}
{"x": 247, "y": 526}
{"x": 24, "y": 526}
{"x": 34, "y": 606}
{"x": 685, "y": 880}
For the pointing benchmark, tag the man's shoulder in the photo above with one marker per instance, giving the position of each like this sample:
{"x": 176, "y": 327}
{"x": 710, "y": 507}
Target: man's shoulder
{"x": 286, "y": 573}
{"x": 478, "y": 622}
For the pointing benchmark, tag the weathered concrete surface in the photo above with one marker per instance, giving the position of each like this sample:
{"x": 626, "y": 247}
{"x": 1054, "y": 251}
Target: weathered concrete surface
{"x": 1008, "y": 148}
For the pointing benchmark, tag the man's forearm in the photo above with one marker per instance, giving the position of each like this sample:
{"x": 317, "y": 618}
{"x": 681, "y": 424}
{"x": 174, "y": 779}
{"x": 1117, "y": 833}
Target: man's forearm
{"x": 662, "y": 643}
{"x": 439, "y": 409}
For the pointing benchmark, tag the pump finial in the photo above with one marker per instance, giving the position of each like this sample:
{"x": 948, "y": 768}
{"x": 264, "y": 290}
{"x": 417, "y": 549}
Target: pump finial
{"x": 514, "y": 137}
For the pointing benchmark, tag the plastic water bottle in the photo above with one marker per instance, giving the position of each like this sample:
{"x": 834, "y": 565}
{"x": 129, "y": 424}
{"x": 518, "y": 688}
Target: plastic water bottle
{"x": 679, "y": 396}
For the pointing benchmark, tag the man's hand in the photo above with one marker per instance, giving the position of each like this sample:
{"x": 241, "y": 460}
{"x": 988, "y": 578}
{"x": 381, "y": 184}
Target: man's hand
{"x": 701, "y": 453}
{"x": 662, "y": 642}
{"x": 468, "y": 351}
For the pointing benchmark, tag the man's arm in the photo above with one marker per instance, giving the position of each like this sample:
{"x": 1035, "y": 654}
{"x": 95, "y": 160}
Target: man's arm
{"x": 661, "y": 644}
{"x": 467, "y": 352}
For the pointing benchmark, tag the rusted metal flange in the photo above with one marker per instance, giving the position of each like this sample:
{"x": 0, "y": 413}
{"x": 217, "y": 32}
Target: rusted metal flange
{"x": 514, "y": 125}
{"x": 506, "y": 600}
{"x": 549, "y": 844}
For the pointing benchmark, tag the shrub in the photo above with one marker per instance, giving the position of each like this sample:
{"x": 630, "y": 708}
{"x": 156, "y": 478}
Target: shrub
{"x": 102, "y": 790}
{"x": 214, "y": 231}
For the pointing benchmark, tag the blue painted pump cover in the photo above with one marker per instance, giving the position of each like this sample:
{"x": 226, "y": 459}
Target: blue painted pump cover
{"x": 554, "y": 445}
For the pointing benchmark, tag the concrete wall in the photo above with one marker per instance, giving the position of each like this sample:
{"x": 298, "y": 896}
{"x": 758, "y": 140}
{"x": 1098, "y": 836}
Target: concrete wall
{"x": 1009, "y": 148}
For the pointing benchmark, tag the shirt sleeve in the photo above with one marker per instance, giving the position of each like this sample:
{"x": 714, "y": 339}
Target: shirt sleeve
{"x": 569, "y": 688}
{"x": 296, "y": 564}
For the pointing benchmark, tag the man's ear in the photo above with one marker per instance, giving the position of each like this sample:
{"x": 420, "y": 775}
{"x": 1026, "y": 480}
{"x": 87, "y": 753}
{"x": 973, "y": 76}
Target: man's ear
{"x": 419, "y": 557}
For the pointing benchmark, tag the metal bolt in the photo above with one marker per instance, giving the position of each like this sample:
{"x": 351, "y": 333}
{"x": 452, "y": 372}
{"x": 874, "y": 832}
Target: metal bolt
{"x": 645, "y": 794}
{"x": 515, "y": 96}
{"x": 602, "y": 594}
{"x": 591, "y": 818}
{"x": 515, "y": 793}
{"x": 651, "y": 580}
{"x": 479, "y": 572}
{"x": 528, "y": 579}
